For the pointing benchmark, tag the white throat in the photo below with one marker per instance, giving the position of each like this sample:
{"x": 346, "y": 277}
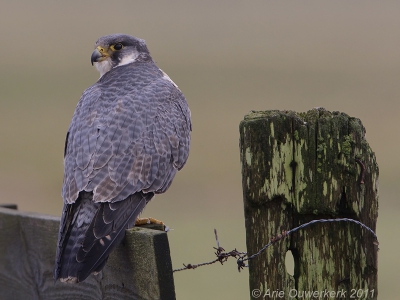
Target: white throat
{"x": 104, "y": 66}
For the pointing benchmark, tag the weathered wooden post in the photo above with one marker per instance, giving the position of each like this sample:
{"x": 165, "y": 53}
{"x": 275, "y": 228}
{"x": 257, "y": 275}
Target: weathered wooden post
{"x": 299, "y": 167}
{"x": 139, "y": 268}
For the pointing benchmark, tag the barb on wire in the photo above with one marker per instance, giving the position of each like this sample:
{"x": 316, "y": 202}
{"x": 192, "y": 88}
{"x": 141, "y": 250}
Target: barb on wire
{"x": 241, "y": 257}
{"x": 220, "y": 253}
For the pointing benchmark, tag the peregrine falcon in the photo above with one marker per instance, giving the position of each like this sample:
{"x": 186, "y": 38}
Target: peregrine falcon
{"x": 128, "y": 137}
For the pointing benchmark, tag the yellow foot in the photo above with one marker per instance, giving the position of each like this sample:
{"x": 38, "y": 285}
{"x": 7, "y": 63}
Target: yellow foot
{"x": 159, "y": 225}
{"x": 144, "y": 221}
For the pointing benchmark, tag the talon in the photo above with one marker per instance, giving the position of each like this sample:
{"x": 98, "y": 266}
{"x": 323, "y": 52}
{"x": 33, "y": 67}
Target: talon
{"x": 145, "y": 221}
{"x": 141, "y": 221}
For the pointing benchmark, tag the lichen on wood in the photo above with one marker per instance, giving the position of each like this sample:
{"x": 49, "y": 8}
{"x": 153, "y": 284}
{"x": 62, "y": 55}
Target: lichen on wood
{"x": 302, "y": 166}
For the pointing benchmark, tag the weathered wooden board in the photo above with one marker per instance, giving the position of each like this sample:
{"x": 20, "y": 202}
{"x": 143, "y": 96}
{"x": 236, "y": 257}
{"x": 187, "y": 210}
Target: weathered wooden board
{"x": 303, "y": 166}
{"x": 140, "y": 268}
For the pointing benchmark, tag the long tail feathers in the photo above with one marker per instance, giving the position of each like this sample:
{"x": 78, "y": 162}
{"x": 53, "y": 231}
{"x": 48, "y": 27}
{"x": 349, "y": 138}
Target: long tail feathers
{"x": 90, "y": 231}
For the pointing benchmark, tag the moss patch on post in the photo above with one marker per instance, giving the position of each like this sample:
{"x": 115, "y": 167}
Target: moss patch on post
{"x": 302, "y": 166}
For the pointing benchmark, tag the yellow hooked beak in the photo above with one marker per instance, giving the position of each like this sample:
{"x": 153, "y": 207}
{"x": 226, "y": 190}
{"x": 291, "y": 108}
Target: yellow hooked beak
{"x": 99, "y": 54}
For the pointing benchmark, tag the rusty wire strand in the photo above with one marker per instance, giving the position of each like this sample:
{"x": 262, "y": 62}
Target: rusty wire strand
{"x": 223, "y": 256}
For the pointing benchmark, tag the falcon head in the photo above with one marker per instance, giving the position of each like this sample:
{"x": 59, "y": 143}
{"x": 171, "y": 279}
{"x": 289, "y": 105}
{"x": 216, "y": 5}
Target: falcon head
{"x": 117, "y": 50}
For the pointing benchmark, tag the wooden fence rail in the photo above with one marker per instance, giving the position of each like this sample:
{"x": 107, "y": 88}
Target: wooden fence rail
{"x": 139, "y": 268}
{"x": 298, "y": 167}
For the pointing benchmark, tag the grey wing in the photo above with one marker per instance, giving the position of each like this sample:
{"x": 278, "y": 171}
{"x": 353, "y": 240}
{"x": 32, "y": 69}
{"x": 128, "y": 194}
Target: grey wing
{"x": 90, "y": 231}
{"x": 136, "y": 143}
{"x": 76, "y": 144}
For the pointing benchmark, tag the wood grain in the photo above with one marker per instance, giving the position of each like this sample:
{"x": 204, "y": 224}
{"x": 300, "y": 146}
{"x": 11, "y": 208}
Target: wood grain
{"x": 140, "y": 268}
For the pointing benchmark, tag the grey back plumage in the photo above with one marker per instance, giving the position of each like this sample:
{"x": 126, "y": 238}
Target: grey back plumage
{"x": 130, "y": 133}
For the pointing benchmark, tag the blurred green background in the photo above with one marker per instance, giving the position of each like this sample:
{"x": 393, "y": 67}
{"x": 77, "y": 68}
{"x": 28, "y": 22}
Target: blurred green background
{"x": 228, "y": 57}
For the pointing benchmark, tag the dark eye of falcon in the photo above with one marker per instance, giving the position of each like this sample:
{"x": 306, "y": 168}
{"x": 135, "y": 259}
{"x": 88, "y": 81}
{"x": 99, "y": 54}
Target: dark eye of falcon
{"x": 118, "y": 46}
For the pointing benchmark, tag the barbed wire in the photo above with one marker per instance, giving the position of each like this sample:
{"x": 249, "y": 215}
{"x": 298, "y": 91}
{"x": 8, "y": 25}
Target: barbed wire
{"x": 241, "y": 257}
